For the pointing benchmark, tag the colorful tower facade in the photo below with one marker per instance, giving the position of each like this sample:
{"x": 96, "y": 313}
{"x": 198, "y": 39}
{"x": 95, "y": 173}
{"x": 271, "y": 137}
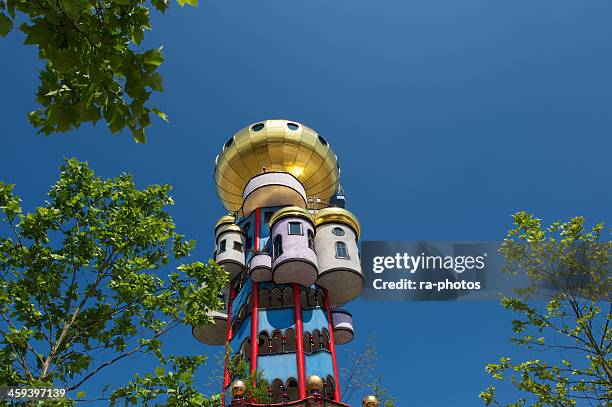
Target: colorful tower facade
{"x": 291, "y": 251}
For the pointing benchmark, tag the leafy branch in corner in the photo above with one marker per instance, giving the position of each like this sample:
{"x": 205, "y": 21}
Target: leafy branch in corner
{"x": 94, "y": 67}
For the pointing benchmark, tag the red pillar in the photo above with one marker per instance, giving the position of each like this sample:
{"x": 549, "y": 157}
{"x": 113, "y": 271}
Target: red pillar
{"x": 255, "y": 300}
{"x": 299, "y": 340}
{"x": 228, "y": 336}
{"x": 332, "y": 346}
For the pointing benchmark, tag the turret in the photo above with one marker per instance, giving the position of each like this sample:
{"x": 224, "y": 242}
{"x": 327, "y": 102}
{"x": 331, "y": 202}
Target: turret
{"x": 338, "y": 254}
{"x": 293, "y": 247}
{"x": 230, "y": 248}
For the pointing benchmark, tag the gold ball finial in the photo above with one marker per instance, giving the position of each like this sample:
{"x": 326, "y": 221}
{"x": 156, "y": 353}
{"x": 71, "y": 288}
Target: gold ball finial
{"x": 238, "y": 388}
{"x": 314, "y": 383}
{"x": 369, "y": 401}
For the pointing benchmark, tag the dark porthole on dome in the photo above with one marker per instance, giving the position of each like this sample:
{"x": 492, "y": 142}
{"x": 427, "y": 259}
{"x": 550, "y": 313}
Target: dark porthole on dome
{"x": 322, "y": 140}
{"x": 257, "y": 127}
{"x": 229, "y": 142}
{"x": 293, "y": 126}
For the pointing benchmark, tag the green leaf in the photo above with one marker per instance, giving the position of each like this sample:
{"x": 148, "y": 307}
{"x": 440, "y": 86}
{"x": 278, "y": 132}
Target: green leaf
{"x": 72, "y": 9}
{"x": 190, "y": 2}
{"x": 65, "y": 60}
{"x": 156, "y": 82}
{"x": 80, "y": 394}
{"x": 6, "y": 24}
{"x": 153, "y": 57}
{"x": 161, "y": 114}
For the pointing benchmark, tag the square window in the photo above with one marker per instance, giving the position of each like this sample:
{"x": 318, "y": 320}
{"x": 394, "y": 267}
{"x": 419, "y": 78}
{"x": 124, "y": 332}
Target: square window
{"x": 222, "y": 246}
{"x": 238, "y": 246}
{"x": 295, "y": 228}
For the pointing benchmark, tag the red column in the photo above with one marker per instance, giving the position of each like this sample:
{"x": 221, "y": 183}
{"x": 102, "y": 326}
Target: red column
{"x": 228, "y": 336}
{"x": 255, "y": 301}
{"x": 332, "y": 346}
{"x": 299, "y": 340}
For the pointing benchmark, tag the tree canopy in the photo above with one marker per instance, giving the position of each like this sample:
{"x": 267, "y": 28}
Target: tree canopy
{"x": 94, "y": 68}
{"x": 570, "y": 332}
{"x": 83, "y": 285}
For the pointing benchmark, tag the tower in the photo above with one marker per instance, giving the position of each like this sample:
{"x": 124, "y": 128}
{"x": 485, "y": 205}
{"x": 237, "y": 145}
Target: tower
{"x": 291, "y": 252}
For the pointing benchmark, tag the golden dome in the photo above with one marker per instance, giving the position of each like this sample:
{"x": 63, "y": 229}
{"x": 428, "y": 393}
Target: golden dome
{"x": 369, "y": 401}
{"x": 276, "y": 146}
{"x": 314, "y": 382}
{"x": 293, "y": 211}
{"x": 237, "y": 388}
{"x": 337, "y": 215}
{"x": 228, "y": 228}
{"x": 225, "y": 219}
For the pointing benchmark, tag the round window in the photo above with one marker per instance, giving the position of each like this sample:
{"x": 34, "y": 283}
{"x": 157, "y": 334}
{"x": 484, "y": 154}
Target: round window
{"x": 338, "y": 231}
{"x": 292, "y": 126}
{"x": 257, "y": 127}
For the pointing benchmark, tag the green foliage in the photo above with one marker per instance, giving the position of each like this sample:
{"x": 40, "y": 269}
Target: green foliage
{"x": 574, "y": 322}
{"x": 256, "y": 387}
{"x": 175, "y": 385}
{"x": 363, "y": 377}
{"x": 82, "y": 277}
{"x": 384, "y": 399}
{"x": 94, "y": 68}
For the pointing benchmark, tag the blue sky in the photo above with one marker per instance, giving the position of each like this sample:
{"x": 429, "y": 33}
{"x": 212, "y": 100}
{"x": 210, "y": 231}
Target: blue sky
{"x": 447, "y": 117}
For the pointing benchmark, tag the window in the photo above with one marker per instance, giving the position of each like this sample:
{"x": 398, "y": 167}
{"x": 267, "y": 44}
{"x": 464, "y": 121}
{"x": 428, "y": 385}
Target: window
{"x": 238, "y": 246}
{"x": 295, "y": 228}
{"x": 222, "y": 246}
{"x": 341, "y": 252}
{"x": 292, "y": 126}
{"x": 311, "y": 240}
{"x": 338, "y": 231}
{"x": 278, "y": 246}
{"x": 257, "y": 127}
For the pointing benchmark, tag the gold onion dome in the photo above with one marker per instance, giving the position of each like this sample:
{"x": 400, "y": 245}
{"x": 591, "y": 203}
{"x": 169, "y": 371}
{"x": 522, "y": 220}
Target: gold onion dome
{"x": 314, "y": 382}
{"x": 337, "y": 215}
{"x": 238, "y": 388}
{"x": 225, "y": 219}
{"x": 276, "y": 146}
{"x": 291, "y": 211}
{"x": 228, "y": 228}
{"x": 369, "y": 401}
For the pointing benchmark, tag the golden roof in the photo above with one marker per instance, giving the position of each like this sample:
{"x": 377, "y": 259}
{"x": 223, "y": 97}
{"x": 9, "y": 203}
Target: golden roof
{"x": 290, "y": 211}
{"x": 228, "y": 228}
{"x": 314, "y": 382}
{"x": 276, "y": 145}
{"x": 237, "y": 388}
{"x": 369, "y": 401}
{"x": 225, "y": 219}
{"x": 337, "y": 215}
